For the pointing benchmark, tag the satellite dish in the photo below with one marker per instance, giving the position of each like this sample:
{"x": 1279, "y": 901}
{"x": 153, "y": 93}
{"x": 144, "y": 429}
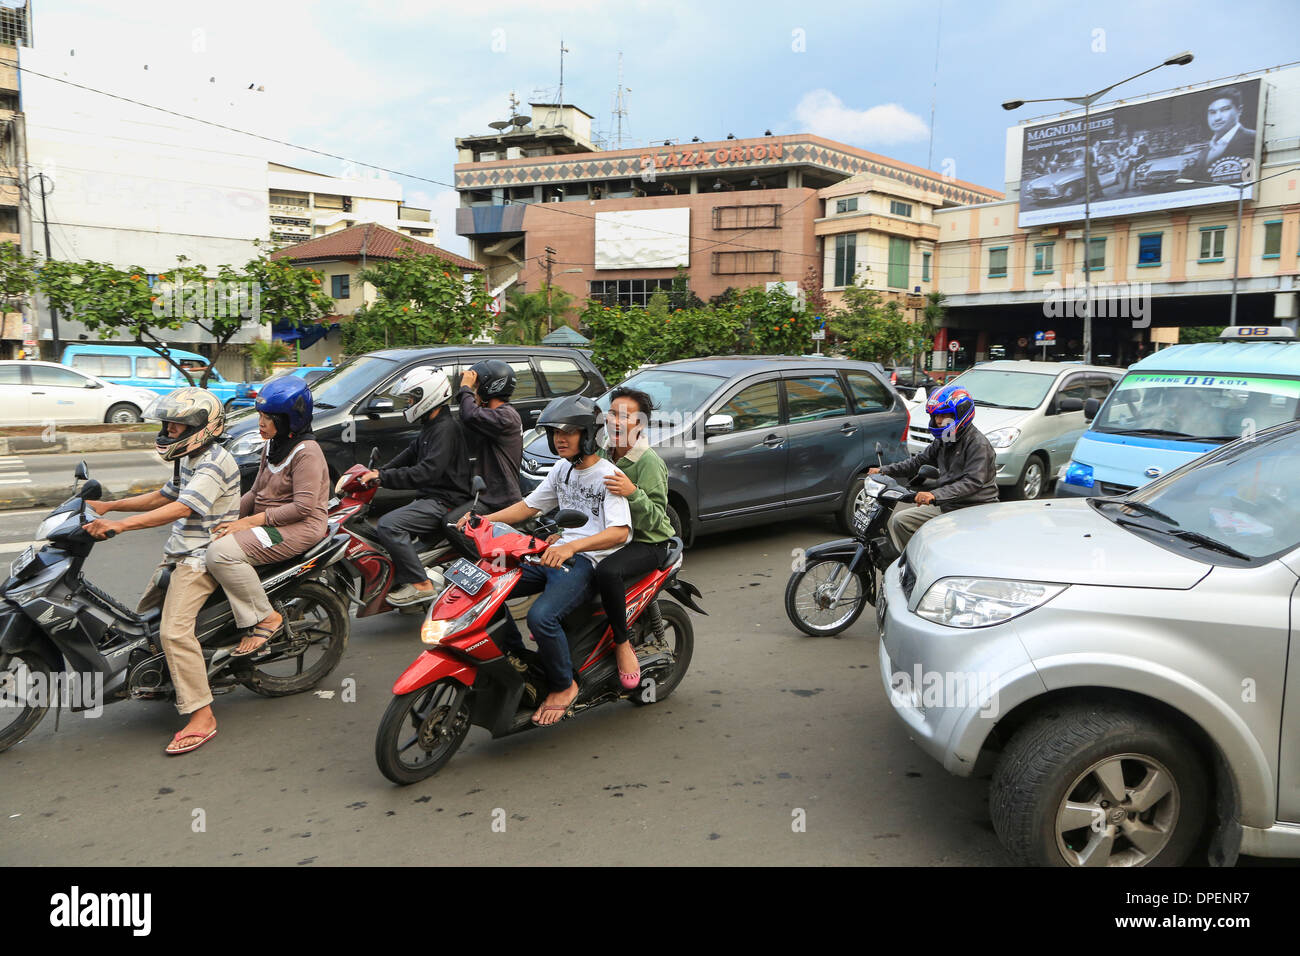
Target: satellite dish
{"x": 499, "y": 124}
{"x": 521, "y": 120}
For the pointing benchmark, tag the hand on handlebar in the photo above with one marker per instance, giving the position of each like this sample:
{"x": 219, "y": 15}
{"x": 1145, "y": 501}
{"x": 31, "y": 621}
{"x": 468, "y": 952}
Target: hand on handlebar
{"x": 464, "y": 520}
{"x": 556, "y": 555}
{"x": 873, "y": 471}
{"x": 924, "y": 498}
{"x": 102, "y": 528}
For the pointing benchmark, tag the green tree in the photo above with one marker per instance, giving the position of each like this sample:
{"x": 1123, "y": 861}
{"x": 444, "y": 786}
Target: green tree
{"x": 523, "y": 320}
{"x": 621, "y": 339}
{"x": 422, "y": 300}
{"x": 264, "y": 353}
{"x": 1189, "y": 334}
{"x": 17, "y": 275}
{"x": 681, "y": 296}
{"x": 875, "y": 330}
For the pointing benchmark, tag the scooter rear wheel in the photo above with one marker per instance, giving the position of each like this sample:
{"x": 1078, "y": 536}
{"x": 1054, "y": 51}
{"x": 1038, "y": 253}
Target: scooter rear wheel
{"x": 314, "y": 637}
{"x": 418, "y": 733}
{"x": 807, "y": 598}
{"x": 21, "y": 672}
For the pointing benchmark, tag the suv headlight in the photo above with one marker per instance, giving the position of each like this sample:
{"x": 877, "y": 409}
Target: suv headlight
{"x": 980, "y": 602}
{"x": 249, "y": 443}
{"x": 1003, "y": 437}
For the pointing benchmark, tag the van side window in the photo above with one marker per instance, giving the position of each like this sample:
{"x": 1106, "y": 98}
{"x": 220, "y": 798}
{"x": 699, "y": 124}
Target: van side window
{"x": 525, "y": 381}
{"x": 150, "y": 367}
{"x": 814, "y": 398}
{"x": 105, "y": 366}
{"x": 758, "y": 406}
{"x": 868, "y": 394}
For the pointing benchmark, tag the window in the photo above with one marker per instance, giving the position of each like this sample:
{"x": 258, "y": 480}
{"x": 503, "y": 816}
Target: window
{"x": 925, "y": 267}
{"x": 11, "y": 374}
{"x": 1149, "y": 248}
{"x": 1212, "y": 243}
{"x": 1099, "y": 388}
{"x": 525, "y": 381}
{"x": 149, "y": 367}
{"x": 341, "y": 286}
{"x": 846, "y": 259}
{"x": 997, "y": 262}
{"x": 846, "y": 205}
{"x": 900, "y": 261}
{"x": 562, "y": 375}
{"x": 746, "y": 217}
{"x": 105, "y": 366}
{"x": 50, "y": 376}
{"x": 814, "y": 398}
{"x": 1077, "y": 386}
{"x": 1097, "y": 255}
{"x": 759, "y": 262}
{"x": 868, "y": 394}
{"x": 626, "y": 292}
{"x": 1273, "y": 239}
{"x": 897, "y": 208}
{"x": 758, "y": 406}
{"x": 1044, "y": 258}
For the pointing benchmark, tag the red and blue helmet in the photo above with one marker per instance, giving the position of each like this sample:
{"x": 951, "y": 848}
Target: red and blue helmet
{"x": 950, "y": 400}
{"x": 289, "y": 396}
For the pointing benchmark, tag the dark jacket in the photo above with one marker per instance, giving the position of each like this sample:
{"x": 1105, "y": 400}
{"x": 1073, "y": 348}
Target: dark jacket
{"x": 967, "y": 467}
{"x": 495, "y": 438}
{"x": 435, "y": 465}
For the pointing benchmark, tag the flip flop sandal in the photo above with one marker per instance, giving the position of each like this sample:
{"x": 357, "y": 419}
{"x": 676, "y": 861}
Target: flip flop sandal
{"x": 181, "y": 735}
{"x": 567, "y": 708}
{"x": 262, "y": 631}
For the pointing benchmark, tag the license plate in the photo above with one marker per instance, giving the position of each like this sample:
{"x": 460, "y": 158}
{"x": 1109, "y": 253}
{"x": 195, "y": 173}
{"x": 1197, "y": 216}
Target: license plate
{"x": 467, "y": 576}
{"x": 19, "y": 563}
{"x": 862, "y": 519}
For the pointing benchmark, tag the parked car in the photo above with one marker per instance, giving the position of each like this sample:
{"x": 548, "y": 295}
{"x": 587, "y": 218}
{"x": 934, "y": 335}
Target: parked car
{"x": 1127, "y": 667}
{"x": 142, "y": 367}
{"x": 36, "y": 393}
{"x": 308, "y": 373}
{"x": 750, "y": 439}
{"x": 903, "y": 377}
{"x": 1182, "y": 402}
{"x": 1024, "y": 411}
{"x": 355, "y": 409}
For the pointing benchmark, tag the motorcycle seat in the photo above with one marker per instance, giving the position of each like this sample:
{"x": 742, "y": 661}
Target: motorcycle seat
{"x": 265, "y": 571}
{"x": 675, "y": 549}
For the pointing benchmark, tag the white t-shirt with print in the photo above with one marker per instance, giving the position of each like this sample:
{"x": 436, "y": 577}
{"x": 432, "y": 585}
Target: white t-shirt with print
{"x": 583, "y": 489}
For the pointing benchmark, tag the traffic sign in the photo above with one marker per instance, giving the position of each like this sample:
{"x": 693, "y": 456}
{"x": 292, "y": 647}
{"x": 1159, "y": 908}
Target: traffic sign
{"x": 819, "y": 335}
{"x": 954, "y": 346}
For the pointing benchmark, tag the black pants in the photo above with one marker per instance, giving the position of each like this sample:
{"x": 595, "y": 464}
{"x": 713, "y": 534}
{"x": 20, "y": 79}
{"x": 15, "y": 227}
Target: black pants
{"x": 400, "y": 531}
{"x": 613, "y": 574}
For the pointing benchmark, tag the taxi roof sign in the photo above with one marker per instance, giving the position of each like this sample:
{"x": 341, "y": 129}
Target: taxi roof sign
{"x": 1257, "y": 333}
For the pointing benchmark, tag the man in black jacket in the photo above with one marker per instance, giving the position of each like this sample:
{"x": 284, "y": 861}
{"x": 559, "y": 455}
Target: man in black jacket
{"x": 494, "y": 435}
{"x": 966, "y": 461}
{"x": 436, "y": 465}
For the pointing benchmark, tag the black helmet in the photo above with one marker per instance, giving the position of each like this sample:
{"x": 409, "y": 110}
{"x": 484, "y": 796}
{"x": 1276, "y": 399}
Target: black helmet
{"x": 496, "y": 379}
{"x": 568, "y": 413}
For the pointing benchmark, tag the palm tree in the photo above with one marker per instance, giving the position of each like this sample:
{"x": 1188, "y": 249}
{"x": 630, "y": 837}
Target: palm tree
{"x": 523, "y": 320}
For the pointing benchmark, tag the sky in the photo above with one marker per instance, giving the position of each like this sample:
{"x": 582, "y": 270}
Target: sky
{"x": 391, "y": 83}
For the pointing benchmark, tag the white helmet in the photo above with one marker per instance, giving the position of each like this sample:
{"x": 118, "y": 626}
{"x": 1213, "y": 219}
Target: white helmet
{"x": 424, "y": 388}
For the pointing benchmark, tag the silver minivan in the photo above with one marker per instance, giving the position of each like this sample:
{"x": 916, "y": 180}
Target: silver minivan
{"x": 1127, "y": 668}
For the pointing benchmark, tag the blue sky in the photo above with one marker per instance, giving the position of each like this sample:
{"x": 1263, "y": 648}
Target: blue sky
{"x": 392, "y": 82}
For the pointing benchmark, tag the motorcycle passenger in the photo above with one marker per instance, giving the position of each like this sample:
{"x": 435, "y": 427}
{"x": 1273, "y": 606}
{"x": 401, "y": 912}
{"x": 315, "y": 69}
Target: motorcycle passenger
{"x": 641, "y": 477}
{"x": 436, "y": 465}
{"x": 965, "y": 459}
{"x": 494, "y": 436}
{"x": 282, "y": 515}
{"x": 202, "y": 494}
{"x": 568, "y": 567}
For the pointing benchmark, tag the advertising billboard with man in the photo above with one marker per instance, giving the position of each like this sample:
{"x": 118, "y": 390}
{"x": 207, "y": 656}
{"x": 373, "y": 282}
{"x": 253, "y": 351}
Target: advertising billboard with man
{"x": 1138, "y": 154}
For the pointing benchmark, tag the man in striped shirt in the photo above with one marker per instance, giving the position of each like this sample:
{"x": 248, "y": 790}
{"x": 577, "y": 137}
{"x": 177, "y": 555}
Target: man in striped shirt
{"x": 203, "y": 493}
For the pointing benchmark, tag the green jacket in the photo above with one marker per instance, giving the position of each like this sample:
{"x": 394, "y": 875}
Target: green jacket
{"x": 649, "y": 503}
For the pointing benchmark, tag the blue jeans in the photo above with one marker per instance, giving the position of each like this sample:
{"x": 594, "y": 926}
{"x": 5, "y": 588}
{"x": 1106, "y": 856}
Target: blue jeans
{"x": 561, "y": 592}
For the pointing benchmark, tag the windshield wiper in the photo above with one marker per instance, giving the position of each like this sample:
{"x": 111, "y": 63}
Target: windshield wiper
{"x": 1146, "y": 431}
{"x": 980, "y": 401}
{"x": 1193, "y": 536}
{"x": 1139, "y": 506}
{"x": 324, "y": 405}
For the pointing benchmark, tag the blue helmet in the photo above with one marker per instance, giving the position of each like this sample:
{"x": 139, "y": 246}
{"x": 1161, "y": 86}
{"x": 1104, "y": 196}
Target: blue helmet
{"x": 950, "y": 400}
{"x": 289, "y": 396}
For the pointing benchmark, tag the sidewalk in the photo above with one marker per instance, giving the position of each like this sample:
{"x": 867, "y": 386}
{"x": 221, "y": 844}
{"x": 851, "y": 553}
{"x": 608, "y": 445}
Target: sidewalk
{"x": 44, "y": 480}
{"x": 74, "y": 439}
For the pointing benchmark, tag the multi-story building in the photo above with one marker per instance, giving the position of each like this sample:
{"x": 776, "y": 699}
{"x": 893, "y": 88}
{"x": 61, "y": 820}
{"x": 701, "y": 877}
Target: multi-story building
{"x": 14, "y": 33}
{"x": 617, "y": 224}
{"x": 302, "y": 205}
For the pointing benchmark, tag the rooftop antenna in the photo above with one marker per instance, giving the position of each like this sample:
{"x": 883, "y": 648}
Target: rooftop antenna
{"x": 560, "y": 96}
{"x": 620, "y": 105}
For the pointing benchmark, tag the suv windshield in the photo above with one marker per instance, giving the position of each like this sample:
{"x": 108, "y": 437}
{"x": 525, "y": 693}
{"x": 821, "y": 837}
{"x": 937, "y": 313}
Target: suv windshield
{"x": 1185, "y": 407}
{"x": 1005, "y": 389}
{"x": 1244, "y": 497}
{"x": 677, "y": 395}
{"x": 349, "y": 382}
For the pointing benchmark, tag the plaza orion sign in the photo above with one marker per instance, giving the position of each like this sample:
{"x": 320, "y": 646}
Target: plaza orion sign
{"x": 722, "y": 156}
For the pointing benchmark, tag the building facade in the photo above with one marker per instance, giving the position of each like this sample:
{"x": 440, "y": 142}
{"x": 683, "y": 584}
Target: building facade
{"x": 302, "y": 205}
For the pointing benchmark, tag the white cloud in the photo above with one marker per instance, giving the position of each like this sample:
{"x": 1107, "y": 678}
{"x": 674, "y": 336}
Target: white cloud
{"x": 823, "y": 113}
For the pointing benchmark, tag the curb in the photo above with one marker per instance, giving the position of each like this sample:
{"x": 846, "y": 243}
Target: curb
{"x": 68, "y": 443}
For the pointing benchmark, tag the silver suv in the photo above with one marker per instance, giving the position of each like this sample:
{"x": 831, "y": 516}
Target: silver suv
{"x": 1125, "y": 666}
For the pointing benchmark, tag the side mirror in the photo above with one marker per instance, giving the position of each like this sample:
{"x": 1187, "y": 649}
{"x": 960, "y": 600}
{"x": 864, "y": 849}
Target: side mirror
{"x": 478, "y": 486}
{"x": 378, "y": 406}
{"x": 927, "y": 473}
{"x": 568, "y": 518}
{"x": 719, "y": 425}
{"x": 1090, "y": 409}
{"x": 92, "y": 384}
{"x": 1069, "y": 405}
{"x": 81, "y": 473}
{"x": 91, "y": 491}
{"x": 374, "y": 457}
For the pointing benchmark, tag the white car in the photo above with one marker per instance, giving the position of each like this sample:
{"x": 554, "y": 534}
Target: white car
{"x": 41, "y": 393}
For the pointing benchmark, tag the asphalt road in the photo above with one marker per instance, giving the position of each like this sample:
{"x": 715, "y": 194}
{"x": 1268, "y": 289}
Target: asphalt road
{"x": 50, "y": 477}
{"x": 766, "y": 723}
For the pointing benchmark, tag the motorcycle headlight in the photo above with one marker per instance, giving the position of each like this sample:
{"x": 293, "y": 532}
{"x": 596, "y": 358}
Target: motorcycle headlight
{"x": 249, "y": 443}
{"x": 49, "y": 524}
{"x": 981, "y": 602}
{"x": 435, "y": 632}
{"x": 1003, "y": 437}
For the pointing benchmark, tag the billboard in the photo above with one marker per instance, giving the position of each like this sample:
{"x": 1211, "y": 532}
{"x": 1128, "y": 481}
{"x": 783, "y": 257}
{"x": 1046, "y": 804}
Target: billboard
{"x": 1139, "y": 152}
{"x": 643, "y": 238}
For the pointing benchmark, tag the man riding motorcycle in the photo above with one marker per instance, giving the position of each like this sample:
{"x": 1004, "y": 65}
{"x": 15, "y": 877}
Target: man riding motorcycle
{"x": 436, "y": 465}
{"x": 966, "y": 461}
{"x": 494, "y": 436}
{"x": 202, "y": 494}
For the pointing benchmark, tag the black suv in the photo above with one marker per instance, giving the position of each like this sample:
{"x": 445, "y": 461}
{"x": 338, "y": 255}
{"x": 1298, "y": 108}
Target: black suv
{"x": 355, "y": 410}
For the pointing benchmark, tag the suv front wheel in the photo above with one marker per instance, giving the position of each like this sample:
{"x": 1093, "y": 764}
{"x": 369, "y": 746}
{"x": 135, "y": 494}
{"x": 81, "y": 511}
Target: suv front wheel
{"x": 1093, "y": 786}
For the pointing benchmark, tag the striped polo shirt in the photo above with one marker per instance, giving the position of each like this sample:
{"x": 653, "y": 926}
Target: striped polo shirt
{"x": 209, "y": 485}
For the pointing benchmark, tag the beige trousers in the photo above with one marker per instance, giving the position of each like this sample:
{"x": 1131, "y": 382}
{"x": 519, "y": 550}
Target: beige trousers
{"x": 904, "y": 522}
{"x": 185, "y": 594}
{"x": 235, "y": 573}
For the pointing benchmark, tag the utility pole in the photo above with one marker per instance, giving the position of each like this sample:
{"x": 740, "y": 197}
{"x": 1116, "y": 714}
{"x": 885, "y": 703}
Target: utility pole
{"x": 550, "y": 261}
{"x": 45, "y": 219}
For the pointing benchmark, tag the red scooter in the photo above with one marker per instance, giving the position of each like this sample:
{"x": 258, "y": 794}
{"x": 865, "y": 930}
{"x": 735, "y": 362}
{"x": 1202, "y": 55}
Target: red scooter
{"x": 465, "y": 679}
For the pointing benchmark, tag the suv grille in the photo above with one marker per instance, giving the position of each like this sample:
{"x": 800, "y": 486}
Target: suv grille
{"x": 920, "y": 434}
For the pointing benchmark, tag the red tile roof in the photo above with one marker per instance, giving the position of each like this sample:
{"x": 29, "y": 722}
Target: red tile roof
{"x": 378, "y": 242}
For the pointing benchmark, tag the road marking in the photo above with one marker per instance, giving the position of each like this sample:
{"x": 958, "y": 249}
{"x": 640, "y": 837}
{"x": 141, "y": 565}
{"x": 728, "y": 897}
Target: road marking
{"x": 13, "y": 471}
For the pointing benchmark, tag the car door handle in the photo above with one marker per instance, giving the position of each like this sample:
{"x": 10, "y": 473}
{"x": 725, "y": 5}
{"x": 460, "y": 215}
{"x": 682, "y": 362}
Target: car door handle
{"x": 38, "y": 393}
{"x": 848, "y": 428}
{"x": 773, "y": 441}
{"x": 535, "y": 412}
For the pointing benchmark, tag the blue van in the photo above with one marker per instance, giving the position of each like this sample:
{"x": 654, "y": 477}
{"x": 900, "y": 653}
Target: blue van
{"x": 144, "y": 368}
{"x": 1181, "y": 402}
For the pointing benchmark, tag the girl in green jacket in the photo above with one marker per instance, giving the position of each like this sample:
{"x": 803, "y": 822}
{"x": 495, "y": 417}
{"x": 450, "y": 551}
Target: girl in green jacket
{"x": 642, "y": 478}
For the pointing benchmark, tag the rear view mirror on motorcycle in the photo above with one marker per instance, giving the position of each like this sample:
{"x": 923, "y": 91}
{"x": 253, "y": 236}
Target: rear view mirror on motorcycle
{"x": 927, "y": 473}
{"x": 91, "y": 491}
{"x": 569, "y": 518}
{"x": 82, "y": 472}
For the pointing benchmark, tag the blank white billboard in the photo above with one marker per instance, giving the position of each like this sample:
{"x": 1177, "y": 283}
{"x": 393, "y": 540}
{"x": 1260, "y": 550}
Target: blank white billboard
{"x": 643, "y": 238}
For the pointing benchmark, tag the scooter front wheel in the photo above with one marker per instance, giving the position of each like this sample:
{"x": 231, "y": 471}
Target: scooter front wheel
{"x": 419, "y": 734}
{"x": 24, "y": 694}
{"x": 810, "y": 600}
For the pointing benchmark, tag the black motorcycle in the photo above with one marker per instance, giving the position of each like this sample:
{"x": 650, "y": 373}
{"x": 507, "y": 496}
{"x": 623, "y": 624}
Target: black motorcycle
{"x": 835, "y": 580}
{"x": 62, "y": 640}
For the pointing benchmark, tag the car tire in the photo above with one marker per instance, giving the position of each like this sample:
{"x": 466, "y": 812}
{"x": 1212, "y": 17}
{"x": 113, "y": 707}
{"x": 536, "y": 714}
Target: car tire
{"x": 1034, "y": 480}
{"x": 230, "y": 406}
{"x": 844, "y": 517}
{"x": 1054, "y": 773}
{"x": 123, "y": 413}
{"x": 675, "y": 520}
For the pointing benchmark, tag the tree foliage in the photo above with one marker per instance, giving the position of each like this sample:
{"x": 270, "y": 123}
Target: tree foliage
{"x": 422, "y": 300}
